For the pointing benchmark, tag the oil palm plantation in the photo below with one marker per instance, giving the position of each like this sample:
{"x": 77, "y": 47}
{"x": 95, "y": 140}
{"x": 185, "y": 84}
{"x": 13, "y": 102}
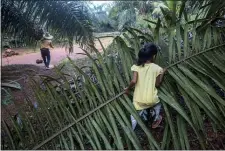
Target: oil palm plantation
{"x": 192, "y": 93}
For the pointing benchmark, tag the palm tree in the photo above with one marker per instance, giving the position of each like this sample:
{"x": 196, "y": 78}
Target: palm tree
{"x": 124, "y": 12}
{"x": 157, "y": 9}
{"x": 192, "y": 93}
{"x": 28, "y": 20}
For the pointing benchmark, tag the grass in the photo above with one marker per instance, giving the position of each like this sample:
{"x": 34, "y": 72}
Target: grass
{"x": 67, "y": 67}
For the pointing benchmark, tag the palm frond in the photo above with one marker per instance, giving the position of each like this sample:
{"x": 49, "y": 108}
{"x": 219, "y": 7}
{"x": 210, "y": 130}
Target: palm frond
{"x": 16, "y": 23}
{"x": 28, "y": 19}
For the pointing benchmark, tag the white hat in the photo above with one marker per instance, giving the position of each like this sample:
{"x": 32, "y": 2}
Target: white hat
{"x": 47, "y": 36}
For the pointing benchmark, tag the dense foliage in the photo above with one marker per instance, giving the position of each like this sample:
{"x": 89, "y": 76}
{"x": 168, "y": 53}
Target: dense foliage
{"x": 28, "y": 20}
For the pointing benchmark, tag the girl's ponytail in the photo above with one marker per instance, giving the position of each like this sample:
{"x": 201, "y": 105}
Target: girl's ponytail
{"x": 146, "y": 53}
{"x": 141, "y": 58}
{"x": 141, "y": 62}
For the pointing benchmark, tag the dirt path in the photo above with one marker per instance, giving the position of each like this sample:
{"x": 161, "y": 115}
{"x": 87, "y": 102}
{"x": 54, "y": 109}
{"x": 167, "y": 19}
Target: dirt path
{"x": 57, "y": 54}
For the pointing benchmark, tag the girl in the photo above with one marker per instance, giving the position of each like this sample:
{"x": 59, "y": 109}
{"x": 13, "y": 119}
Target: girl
{"x": 46, "y": 45}
{"x": 147, "y": 76}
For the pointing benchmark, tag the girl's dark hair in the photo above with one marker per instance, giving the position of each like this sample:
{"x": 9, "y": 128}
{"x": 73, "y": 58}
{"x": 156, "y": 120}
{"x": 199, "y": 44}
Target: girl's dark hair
{"x": 146, "y": 53}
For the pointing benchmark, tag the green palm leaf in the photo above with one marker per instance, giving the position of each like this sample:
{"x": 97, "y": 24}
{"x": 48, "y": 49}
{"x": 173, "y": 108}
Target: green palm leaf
{"x": 28, "y": 20}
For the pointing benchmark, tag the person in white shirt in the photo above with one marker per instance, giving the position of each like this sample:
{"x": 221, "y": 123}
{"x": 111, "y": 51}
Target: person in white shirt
{"x": 46, "y": 45}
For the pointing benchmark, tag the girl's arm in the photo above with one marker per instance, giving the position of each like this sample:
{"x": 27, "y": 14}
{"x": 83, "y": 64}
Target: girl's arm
{"x": 159, "y": 78}
{"x": 132, "y": 83}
